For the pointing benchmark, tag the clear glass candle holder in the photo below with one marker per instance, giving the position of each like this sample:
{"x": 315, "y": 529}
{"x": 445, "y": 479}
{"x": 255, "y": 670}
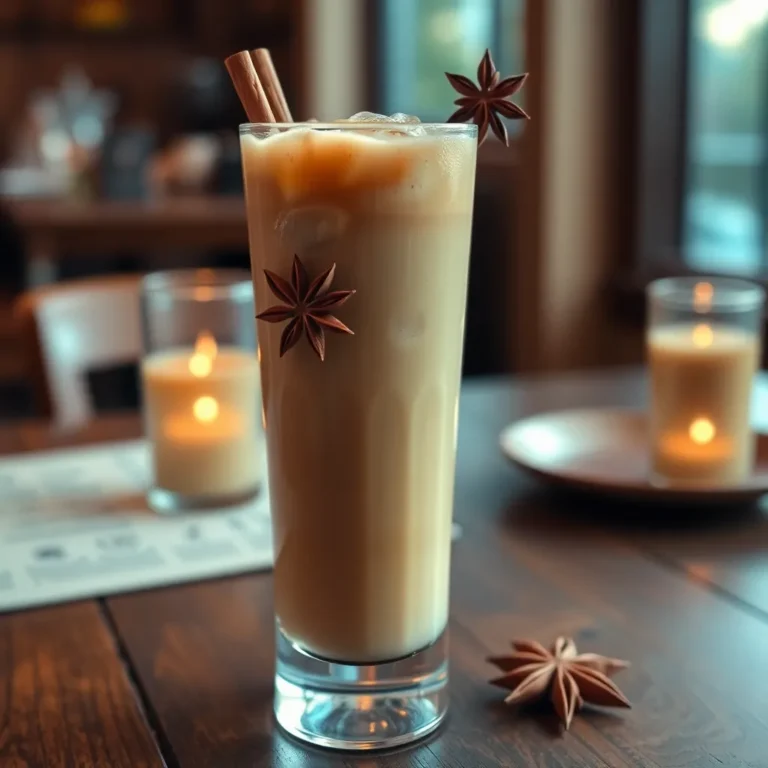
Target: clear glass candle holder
{"x": 704, "y": 345}
{"x": 359, "y": 239}
{"x": 200, "y": 382}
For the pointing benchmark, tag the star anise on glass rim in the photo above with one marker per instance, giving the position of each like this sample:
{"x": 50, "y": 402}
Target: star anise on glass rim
{"x": 570, "y": 679}
{"x": 308, "y": 306}
{"x": 483, "y": 105}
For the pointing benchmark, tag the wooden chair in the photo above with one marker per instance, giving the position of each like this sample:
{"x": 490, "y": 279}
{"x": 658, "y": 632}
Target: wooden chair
{"x": 74, "y": 328}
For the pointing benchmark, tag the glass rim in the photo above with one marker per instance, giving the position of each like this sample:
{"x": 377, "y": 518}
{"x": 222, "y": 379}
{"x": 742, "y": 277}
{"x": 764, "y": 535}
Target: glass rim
{"x": 220, "y": 283}
{"x": 469, "y": 129}
{"x": 729, "y": 294}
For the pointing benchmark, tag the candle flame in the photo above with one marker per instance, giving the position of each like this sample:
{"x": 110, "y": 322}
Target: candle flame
{"x": 205, "y": 409}
{"x": 702, "y": 431}
{"x": 205, "y": 291}
{"x": 206, "y": 344}
{"x": 206, "y": 349}
{"x": 703, "y": 336}
{"x": 702, "y": 296}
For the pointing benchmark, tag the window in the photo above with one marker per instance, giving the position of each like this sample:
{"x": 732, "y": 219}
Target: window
{"x": 419, "y": 40}
{"x": 726, "y": 176}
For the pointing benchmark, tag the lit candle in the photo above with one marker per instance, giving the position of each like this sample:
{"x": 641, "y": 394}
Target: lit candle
{"x": 701, "y": 378}
{"x": 202, "y": 416}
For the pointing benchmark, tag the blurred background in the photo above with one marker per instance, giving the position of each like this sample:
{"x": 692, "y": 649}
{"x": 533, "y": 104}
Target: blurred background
{"x": 646, "y": 154}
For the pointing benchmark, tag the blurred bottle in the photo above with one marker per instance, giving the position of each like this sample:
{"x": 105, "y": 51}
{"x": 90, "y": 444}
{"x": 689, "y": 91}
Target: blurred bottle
{"x": 60, "y": 137}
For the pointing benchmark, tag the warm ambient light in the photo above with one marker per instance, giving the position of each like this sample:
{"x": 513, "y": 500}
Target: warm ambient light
{"x": 702, "y": 336}
{"x": 702, "y": 431}
{"x": 101, "y": 14}
{"x": 702, "y": 296}
{"x": 206, "y": 349}
{"x": 200, "y": 365}
{"x": 206, "y": 344}
{"x": 206, "y": 408}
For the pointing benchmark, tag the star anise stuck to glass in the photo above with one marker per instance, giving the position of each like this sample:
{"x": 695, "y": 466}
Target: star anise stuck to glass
{"x": 484, "y": 104}
{"x": 569, "y": 678}
{"x": 308, "y": 307}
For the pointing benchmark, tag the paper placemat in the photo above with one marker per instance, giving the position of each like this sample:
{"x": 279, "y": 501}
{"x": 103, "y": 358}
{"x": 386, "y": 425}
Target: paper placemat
{"x": 74, "y": 524}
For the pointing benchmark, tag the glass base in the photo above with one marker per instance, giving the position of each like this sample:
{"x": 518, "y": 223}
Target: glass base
{"x": 360, "y": 707}
{"x": 171, "y": 503}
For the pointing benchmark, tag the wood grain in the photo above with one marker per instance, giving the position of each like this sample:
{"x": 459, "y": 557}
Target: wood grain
{"x": 724, "y": 549}
{"x": 65, "y": 699}
{"x": 204, "y": 656}
{"x": 529, "y": 564}
{"x": 728, "y": 553}
{"x": 682, "y": 597}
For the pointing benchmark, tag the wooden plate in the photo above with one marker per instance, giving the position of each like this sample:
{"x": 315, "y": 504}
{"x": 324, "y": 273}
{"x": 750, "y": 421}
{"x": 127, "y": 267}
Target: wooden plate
{"x": 605, "y": 451}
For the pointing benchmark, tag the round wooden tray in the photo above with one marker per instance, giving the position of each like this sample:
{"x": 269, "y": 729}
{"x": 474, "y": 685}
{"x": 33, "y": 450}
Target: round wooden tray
{"x": 605, "y": 451}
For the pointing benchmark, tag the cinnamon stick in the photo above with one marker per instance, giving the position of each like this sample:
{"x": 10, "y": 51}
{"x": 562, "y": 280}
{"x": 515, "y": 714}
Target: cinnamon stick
{"x": 265, "y": 69}
{"x": 249, "y": 88}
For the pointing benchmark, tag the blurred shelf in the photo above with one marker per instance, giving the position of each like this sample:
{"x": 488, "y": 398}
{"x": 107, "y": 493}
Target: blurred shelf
{"x": 270, "y": 31}
{"x": 24, "y": 35}
{"x": 55, "y": 228}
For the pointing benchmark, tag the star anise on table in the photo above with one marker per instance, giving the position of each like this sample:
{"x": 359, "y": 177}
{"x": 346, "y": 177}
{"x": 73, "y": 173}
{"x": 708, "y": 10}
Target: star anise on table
{"x": 308, "y": 306}
{"x": 483, "y": 105}
{"x": 570, "y": 679}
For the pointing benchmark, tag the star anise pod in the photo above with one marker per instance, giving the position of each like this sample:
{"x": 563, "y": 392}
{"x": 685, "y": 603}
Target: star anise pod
{"x": 308, "y": 306}
{"x": 569, "y": 678}
{"x": 483, "y": 105}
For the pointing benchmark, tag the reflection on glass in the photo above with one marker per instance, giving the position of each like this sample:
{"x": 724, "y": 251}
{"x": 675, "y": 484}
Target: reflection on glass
{"x": 726, "y": 174}
{"x": 422, "y": 40}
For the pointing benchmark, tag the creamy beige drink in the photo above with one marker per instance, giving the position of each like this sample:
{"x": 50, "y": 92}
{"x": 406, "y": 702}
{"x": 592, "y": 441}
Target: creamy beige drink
{"x": 701, "y": 378}
{"x": 362, "y": 445}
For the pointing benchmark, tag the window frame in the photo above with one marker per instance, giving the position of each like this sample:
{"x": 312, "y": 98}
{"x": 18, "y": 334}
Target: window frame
{"x": 662, "y": 106}
{"x": 376, "y": 50}
{"x": 662, "y": 123}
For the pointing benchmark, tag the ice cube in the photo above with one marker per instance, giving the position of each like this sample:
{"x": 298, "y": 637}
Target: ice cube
{"x": 366, "y": 117}
{"x": 401, "y": 117}
{"x": 410, "y": 123}
{"x": 310, "y": 225}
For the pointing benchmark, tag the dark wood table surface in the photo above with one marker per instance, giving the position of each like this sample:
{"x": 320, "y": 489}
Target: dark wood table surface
{"x": 182, "y": 676}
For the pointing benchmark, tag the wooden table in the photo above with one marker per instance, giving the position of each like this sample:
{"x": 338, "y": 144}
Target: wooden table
{"x": 182, "y": 676}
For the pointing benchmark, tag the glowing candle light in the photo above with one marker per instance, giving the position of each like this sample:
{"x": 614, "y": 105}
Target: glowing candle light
{"x": 701, "y": 377}
{"x": 203, "y": 412}
{"x": 704, "y": 343}
{"x": 702, "y": 336}
{"x": 702, "y": 431}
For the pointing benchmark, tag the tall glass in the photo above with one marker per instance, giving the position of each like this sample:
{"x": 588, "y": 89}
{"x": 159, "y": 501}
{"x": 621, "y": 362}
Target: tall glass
{"x": 200, "y": 381}
{"x": 704, "y": 345}
{"x": 361, "y": 444}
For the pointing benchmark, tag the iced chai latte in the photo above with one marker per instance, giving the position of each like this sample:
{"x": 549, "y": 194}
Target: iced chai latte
{"x": 362, "y": 443}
